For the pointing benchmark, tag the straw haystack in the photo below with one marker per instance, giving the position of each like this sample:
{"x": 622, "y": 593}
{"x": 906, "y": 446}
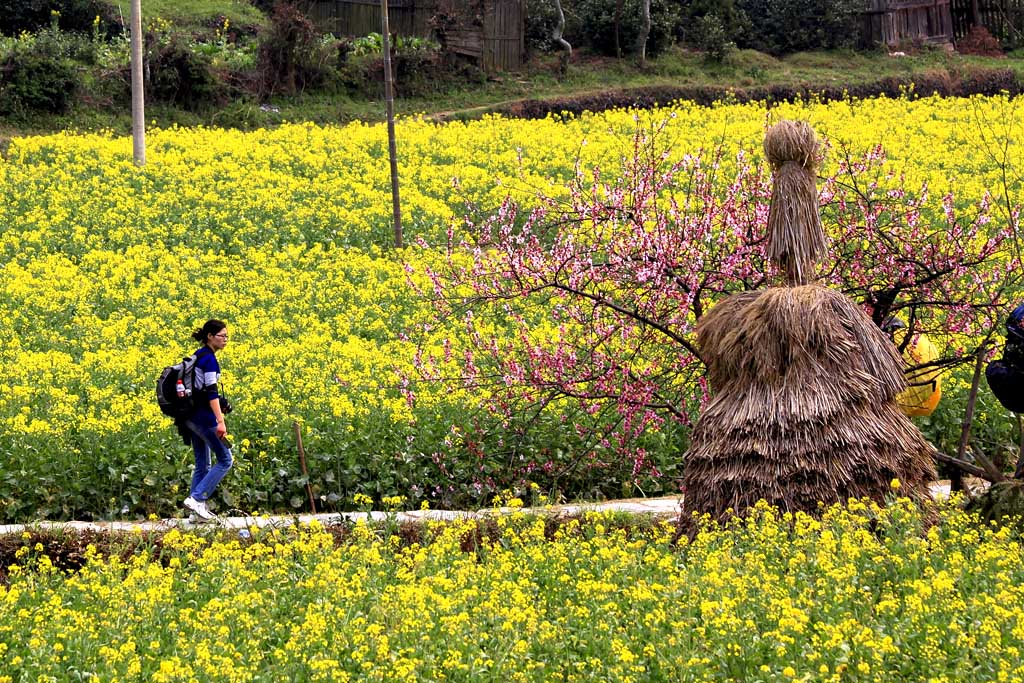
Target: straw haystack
{"x": 803, "y": 406}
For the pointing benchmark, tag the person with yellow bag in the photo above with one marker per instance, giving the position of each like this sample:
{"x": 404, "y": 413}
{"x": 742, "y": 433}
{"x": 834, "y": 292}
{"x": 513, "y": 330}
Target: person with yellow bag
{"x": 924, "y": 384}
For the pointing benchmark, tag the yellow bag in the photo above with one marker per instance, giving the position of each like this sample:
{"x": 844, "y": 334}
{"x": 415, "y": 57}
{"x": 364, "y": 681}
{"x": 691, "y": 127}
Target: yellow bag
{"x": 922, "y": 397}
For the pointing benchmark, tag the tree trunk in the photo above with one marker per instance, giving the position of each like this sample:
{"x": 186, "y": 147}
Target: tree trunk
{"x": 645, "y": 30}
{"x": 618, "y": 26}
{"x": 975, "y": 13}
{"x": 138, "y": 91}
{"x": 557, "y": 36}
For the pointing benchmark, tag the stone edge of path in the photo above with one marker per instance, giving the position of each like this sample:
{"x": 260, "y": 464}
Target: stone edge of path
{"x": 667, "y": 507}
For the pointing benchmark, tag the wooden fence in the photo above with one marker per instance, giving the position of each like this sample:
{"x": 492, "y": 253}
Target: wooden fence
{"x": 499, "y": 44}
{"x": 362, "y": 17}
{"x": 504, "y": 35}
{"x": 891, "y": 22}
{"x": 1004, "y": 19}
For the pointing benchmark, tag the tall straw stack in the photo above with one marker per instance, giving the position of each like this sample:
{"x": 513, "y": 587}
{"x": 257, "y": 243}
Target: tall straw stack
{"x": 796, "y": 240}
{"x": 803, "y": 408}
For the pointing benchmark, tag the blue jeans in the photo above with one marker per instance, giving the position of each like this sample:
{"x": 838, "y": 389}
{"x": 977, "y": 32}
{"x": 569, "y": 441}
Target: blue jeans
{"x": 204, "y": 477}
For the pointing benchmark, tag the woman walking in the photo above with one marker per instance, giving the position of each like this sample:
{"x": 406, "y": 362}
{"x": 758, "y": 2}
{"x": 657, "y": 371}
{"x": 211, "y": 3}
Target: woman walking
{"x": 205, "y": 427}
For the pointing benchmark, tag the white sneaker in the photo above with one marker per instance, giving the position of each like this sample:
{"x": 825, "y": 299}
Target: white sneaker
{"x": 199, "y": 507}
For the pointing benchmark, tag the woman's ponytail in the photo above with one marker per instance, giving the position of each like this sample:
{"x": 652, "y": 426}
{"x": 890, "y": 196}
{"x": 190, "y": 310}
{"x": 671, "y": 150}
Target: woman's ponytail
{"x": 211, "y": 326}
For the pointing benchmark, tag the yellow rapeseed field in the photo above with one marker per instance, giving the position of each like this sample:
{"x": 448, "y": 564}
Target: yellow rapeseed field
{"x": 285, "y": 234}
{"x": 861, "y": 594}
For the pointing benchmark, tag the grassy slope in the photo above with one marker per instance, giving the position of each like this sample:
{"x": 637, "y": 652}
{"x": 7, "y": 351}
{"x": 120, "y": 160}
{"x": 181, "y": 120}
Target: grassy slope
{"x": 188, "y": 13}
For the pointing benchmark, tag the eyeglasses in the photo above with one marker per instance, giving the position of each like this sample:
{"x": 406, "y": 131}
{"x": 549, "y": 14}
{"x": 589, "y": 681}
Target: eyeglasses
{"x": 221, "y": 336}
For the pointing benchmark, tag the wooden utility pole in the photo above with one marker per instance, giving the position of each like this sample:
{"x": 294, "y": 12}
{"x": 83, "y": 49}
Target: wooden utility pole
{"x": 389, "y": 99}
{"x": 138, "y": 98}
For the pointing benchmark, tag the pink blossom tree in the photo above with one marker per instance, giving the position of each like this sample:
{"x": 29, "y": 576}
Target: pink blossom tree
{"x": 590, "y": 300}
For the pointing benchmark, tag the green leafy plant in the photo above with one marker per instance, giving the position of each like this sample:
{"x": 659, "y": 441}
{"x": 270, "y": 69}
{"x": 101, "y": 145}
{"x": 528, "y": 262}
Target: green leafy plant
{"x": 290, "y": 55}
{"x": 710, "y": 38}
{"x": 37, "y": 73}
{"x": 786, "y": 26}
{"x": 182, "y": 76}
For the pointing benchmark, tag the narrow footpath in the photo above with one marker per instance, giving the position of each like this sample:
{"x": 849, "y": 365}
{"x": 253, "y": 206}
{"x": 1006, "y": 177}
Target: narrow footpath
{"x": 667, "y": 508}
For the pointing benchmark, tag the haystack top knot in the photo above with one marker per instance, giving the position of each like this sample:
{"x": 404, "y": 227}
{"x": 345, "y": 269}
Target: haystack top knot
{"x": 792, "y": 141}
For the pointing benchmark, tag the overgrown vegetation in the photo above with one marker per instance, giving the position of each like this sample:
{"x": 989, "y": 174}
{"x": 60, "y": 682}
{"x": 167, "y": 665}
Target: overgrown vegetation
{"x": 38, "y": 72}
{"x": 299, "y": 209}
{"x": 205, "y": 62}
{"x": 65, "y": 63}
{"x": 785, "y": 26}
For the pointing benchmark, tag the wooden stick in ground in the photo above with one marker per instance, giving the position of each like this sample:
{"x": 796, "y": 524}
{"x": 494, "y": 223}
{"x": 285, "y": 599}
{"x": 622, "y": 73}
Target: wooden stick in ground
{"x": 389, "y": 101}
{"x": 302, "y": 463}
{"x": 956, "y": 483}
{"x": 1018, "y": 472}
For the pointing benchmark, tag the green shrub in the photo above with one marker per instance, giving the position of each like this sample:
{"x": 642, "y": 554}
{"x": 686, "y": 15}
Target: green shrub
{"x": 181, "y": 76}
{"x": 38, "y": 75}
{"x": 785, "y": 26}
{"x": 417, "y": 64}
{"x": 711, "y": 38}
{"x": 597, "y": 25}
{"x": 234, "y": 57}
{"x": 373, "y": 43}
{"x": 720, "y": 16}
{"x": 292, "y": 55}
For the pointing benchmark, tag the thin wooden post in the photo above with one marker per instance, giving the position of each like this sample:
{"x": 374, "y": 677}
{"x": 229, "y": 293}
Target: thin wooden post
{"x": 389, "y": 99}
{"x": 956, "y": 481}
{"x": 1018, "y": 471}
{"x": 138, "y": 96}
{"x": 302, "y": 463}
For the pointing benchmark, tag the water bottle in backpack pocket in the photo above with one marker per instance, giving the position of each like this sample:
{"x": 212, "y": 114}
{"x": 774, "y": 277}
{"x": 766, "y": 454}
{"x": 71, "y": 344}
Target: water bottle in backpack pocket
{"x": 176, "y": 388}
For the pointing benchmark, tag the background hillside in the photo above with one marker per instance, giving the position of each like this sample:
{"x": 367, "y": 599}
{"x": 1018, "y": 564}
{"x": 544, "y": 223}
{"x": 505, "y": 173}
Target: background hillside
{"x": 233, "y": 63}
